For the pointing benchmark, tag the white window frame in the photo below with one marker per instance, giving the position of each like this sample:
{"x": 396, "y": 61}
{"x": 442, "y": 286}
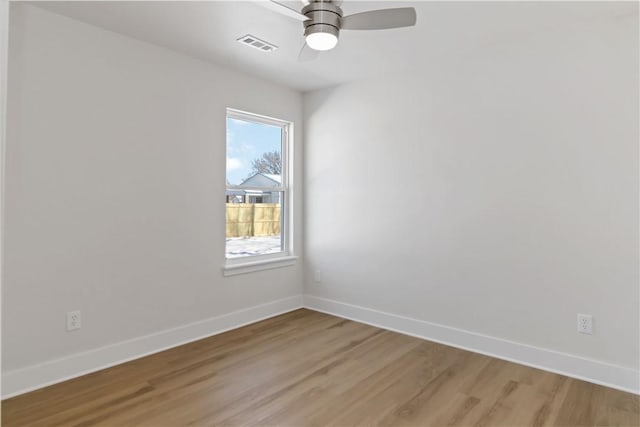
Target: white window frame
{"x": 286, "y": 257}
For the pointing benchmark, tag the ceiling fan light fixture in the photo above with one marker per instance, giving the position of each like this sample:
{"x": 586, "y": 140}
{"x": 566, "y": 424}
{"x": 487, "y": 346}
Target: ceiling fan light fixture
{"x": 321, "y": 37}
{"x": 323, "y": 20}
{"x": 322, "y": 41}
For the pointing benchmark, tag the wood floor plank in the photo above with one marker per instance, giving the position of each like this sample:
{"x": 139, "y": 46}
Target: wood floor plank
{"x": 239, "y": 385}
{"x": 233, "y": 378}
{"x": 432, "y": 404}
{"x": 356, "y": 363}
{"x": 311, "y": 369}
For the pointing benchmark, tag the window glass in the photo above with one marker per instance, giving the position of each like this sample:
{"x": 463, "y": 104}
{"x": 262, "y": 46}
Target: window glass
{"x": 256, "y": 187}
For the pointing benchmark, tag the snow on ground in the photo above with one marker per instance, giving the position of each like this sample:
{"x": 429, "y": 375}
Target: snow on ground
{"x": 246, "y": 246}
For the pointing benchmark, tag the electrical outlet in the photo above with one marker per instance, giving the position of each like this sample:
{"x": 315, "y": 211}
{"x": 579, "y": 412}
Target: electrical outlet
{"x": 585, "y": 324}
{"x": 73, "y": 320}
{"x": 317, "y": 276}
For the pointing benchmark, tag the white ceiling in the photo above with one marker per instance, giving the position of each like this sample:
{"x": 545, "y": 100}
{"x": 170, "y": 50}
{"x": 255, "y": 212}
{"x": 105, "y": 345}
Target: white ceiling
{"x": 446, "y": 31}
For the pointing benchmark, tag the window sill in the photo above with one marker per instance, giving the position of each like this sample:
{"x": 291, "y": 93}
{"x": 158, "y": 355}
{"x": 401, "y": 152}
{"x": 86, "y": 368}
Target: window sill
{"x": 252, "y": 266}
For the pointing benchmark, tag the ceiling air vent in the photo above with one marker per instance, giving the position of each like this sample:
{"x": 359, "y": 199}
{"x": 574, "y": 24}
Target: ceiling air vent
{"x": 255, "y": 42}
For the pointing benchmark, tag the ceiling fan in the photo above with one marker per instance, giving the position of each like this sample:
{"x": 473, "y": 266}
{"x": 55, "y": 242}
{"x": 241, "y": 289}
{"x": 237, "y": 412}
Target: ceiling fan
{"x": 323, "y": 20}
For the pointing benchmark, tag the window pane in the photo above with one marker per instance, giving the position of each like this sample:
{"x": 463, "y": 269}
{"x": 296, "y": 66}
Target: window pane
{"x": 254, "y": 154}
{"x": 254, "y": 224}
{"x": 254, "y": 202}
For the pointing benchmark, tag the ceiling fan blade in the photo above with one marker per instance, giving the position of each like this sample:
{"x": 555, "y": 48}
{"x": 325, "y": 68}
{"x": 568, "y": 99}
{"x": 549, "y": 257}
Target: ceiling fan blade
{"x": 307, "y": 54}
{"x": 380, "y": 19}
{"x": 282, "y": 9}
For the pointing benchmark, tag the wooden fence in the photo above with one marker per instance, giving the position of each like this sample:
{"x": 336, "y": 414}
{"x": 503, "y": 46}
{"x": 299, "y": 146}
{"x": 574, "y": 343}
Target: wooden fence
{"x": 253, "y": 219}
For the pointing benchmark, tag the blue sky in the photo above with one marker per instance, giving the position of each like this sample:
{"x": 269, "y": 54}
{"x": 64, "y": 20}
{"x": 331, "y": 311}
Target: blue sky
{"x": 247, "y": 141}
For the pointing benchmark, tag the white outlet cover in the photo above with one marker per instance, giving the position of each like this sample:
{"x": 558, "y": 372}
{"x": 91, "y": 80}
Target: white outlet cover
{"x": 585, "y": 324}
{"x": 73, "y": 320}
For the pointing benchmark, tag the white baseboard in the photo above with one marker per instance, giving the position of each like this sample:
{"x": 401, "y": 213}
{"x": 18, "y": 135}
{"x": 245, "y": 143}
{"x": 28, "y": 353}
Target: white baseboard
{"x": 34, "y": 377}
{"x": 614, "y": 376}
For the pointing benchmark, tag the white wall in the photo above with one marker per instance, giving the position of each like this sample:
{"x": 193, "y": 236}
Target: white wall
{"x": 115, "y": 189}
{"x": 496, "y": 193}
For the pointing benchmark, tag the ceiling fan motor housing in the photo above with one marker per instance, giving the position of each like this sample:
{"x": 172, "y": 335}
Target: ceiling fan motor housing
{"x": 324, "y": 17}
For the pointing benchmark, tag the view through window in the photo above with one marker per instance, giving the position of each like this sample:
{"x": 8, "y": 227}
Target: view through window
{"x": 256, "y": 186}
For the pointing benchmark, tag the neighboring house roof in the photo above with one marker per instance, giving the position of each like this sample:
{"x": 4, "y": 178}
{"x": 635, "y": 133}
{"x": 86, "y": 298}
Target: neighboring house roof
{"x": 263, "y": 180}
{"x": 276, "y": 178}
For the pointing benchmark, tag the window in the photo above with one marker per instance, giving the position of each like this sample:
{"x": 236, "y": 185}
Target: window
{"x": 257, "y": 189}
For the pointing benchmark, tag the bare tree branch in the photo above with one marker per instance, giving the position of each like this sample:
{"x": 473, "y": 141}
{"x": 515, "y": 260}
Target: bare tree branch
{"x": 270, "y": 163}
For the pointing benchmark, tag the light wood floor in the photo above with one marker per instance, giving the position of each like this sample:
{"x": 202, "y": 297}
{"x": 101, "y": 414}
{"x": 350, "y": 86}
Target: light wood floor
{"x": 310, "y": 369}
